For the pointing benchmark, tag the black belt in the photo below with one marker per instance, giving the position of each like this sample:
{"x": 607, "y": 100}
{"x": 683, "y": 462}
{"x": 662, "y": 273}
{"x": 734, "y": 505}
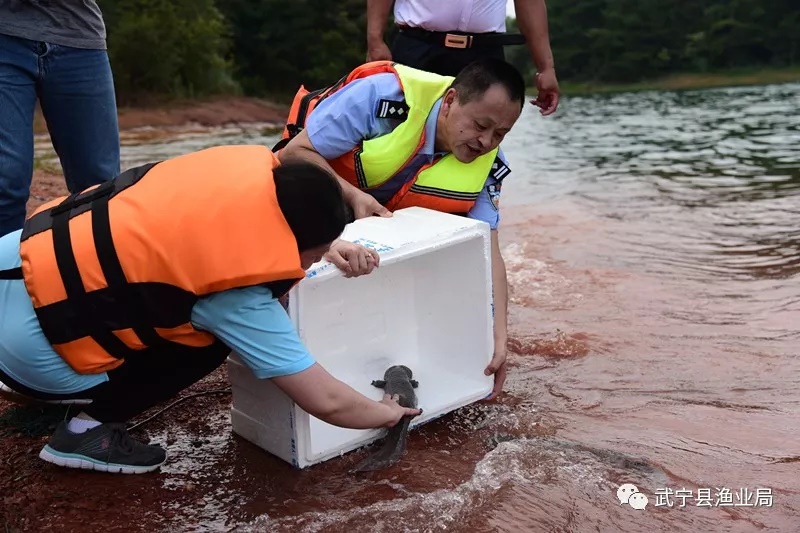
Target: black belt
{"x": 458, "y": 39}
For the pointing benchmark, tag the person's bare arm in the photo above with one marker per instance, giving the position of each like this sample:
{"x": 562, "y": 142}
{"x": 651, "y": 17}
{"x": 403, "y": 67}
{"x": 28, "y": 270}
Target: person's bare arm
{"x": 332, "y": 401}
{"x": 377, "y": 16}
{"x": 500, "y": 294}
{"x": 532, "y": 22}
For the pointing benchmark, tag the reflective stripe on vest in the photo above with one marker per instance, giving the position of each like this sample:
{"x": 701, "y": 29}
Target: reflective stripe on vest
{"x": 117, "y": 269}
{"x": 444, "y": 186}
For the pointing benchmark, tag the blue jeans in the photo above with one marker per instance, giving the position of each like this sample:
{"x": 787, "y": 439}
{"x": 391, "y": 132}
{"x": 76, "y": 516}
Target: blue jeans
{"x": 75, "y": 89}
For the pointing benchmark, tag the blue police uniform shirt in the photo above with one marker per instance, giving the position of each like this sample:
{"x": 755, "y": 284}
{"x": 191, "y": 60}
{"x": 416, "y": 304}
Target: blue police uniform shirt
{"x": 349, "y": 116}
{"x": 249, "y": 320}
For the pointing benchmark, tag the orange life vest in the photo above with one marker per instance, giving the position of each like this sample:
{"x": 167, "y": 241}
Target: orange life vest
{"x": 305, "y": 101}
{"x": 117, "y": 268}
{"x": 444, "y": 185}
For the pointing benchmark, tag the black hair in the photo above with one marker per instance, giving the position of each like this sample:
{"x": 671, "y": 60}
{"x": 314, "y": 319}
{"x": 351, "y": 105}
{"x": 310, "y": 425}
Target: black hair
{"x": 475, "y": 79}
{"x": 312, "y": 202}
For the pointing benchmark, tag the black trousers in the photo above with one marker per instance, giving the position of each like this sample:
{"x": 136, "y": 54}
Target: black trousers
{"x": 437, "y": 58}
{"x": 139, "y": 384}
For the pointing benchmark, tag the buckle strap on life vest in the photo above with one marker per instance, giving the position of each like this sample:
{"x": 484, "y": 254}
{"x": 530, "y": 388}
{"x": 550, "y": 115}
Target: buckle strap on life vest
{"x": 302, "y": 113}
{"x": 78, "y": 203}
{"x": 11, "y": 273}
{"x": 71, "y": 277}
{"x": 57, "y": 218}
{"x": 115, "y": 276}
{"x": 296, "y": 127}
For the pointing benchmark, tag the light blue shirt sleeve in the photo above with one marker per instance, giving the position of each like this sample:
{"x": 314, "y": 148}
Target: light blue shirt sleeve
{"x": 25, "y": 353}
{"x": 256, "y": 326}
{"x": 486, "y": 208}
{"x": 347, "y": 117}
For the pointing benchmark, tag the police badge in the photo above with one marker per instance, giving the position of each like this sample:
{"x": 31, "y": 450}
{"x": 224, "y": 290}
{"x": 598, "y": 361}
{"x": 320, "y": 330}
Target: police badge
{"x": 494, "y": 195}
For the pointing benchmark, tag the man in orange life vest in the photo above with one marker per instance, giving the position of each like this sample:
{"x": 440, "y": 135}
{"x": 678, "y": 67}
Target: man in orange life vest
{"x": 400, "y": 137}
{"x": 127, "y": 293}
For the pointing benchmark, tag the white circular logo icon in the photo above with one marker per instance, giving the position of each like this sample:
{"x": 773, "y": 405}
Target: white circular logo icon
{"x": 628, "y": 493}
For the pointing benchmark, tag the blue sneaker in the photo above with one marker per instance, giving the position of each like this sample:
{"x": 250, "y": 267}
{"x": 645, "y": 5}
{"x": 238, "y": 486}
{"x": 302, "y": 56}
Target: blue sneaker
{"x": 107, "y": 448}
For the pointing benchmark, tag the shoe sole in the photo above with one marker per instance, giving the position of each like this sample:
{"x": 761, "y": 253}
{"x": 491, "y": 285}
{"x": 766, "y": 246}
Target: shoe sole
{"x": 73, "y": 460}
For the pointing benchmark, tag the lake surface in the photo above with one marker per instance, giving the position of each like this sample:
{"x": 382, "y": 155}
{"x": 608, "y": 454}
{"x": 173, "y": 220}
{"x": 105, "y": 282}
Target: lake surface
{"x": 652, "y": 242}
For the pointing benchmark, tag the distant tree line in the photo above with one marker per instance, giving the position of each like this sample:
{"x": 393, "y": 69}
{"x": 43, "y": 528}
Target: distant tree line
{"x": 191, "y": 48}
{"x": 633, "y": 40}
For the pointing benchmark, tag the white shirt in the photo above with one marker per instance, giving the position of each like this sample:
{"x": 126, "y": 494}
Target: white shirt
{"x": 472, "y": 16}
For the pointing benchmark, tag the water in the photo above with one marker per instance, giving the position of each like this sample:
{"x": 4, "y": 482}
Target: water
{"x": 659, "y": 233}
{"x": 653, "y": 250}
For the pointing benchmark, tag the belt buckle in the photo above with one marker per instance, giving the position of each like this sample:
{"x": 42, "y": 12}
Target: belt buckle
{"x": 452, "y": 40}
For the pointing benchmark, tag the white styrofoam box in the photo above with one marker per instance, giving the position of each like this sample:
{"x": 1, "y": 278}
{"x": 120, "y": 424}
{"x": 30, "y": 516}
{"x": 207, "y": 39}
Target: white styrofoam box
{"x": 428, "y": 306}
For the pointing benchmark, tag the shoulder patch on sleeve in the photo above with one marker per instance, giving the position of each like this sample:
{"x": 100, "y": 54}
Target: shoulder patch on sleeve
{"x": 494, "y": 195}
{"x": 499, "y": 169}
{"x": 395, "y": 109}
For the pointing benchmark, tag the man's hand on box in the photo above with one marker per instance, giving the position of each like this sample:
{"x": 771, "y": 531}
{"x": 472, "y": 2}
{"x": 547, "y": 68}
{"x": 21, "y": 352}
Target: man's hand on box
{"x": 497, "y": 367}
{"x": 352, "y": 259}
{"x": 364, "y": 204}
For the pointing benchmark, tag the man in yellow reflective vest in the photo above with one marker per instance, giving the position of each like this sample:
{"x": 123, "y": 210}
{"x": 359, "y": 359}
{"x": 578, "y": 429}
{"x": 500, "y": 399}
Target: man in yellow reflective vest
{"x": 399, "y": 137}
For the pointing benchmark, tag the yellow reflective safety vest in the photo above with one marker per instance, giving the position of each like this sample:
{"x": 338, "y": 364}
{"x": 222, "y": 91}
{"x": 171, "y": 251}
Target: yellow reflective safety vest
{"x": 446, "y": 184}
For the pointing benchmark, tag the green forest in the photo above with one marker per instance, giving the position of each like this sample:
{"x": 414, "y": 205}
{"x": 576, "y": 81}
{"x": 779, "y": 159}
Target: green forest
{"x": 163, "y": 49}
